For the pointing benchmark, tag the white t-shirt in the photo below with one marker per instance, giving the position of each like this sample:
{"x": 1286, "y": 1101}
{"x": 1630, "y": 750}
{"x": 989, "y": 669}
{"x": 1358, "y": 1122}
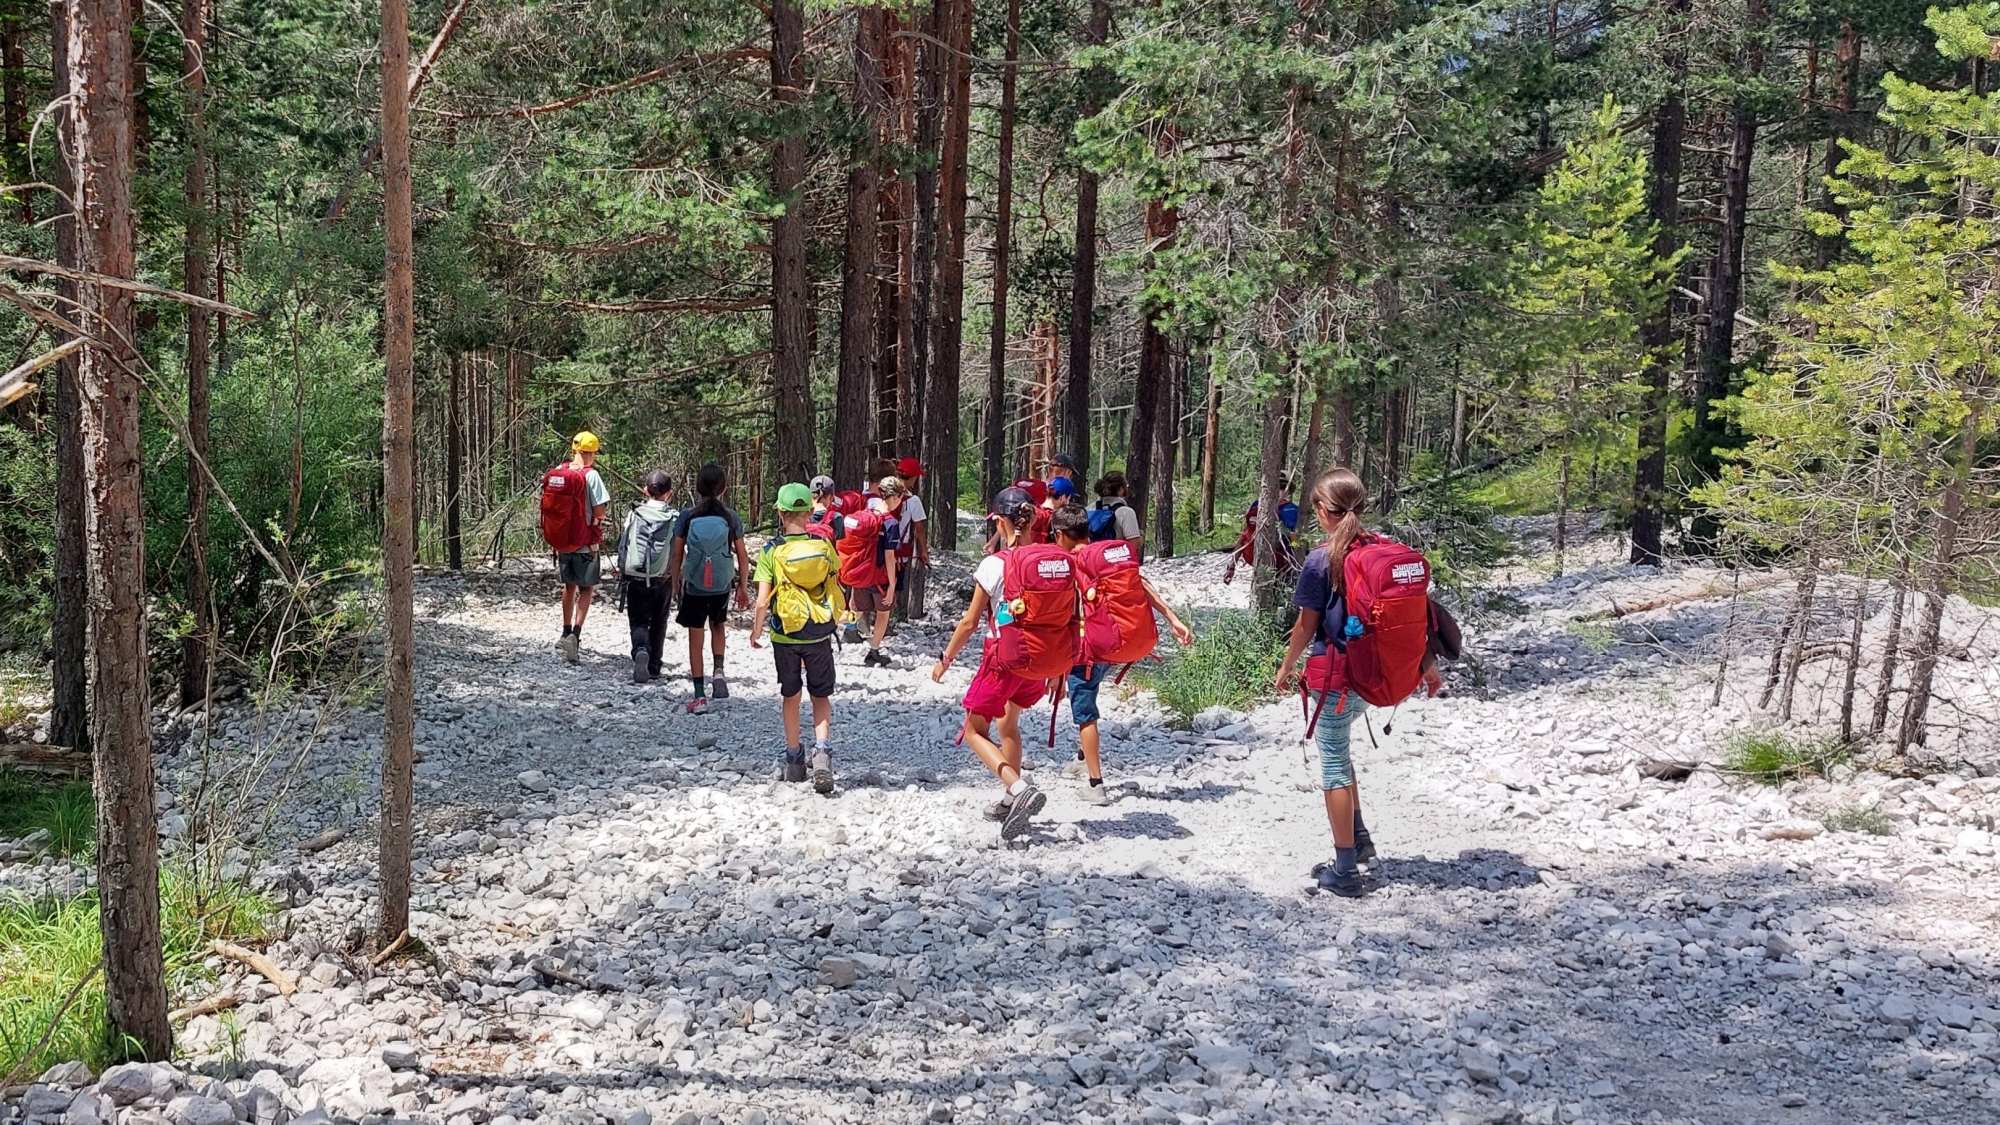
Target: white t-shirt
{"x": 991, "y": 574}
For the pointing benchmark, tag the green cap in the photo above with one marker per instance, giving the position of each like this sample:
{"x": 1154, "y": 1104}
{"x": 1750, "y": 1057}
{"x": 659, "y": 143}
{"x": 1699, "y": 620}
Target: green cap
{"x": 794, "y": 498}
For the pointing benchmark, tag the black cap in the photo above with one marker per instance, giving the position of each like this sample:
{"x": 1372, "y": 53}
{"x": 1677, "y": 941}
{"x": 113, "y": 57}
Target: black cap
{"x": 1062, "y": 460}
{"x": 1009, "y": 502}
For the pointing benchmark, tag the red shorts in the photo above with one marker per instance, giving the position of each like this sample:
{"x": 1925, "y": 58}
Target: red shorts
{"x": 992, "y": 691}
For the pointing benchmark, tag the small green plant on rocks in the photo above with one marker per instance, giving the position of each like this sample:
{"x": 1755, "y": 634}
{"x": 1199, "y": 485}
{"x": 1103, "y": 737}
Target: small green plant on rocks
{"x": 1773, "y": 758}
{"x": 1858, "y": 818}
{"x": 65, "y": 810}
{"x": 1231, "y": 664}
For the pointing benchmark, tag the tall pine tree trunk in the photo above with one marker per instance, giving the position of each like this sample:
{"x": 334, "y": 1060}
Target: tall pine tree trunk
{"x": 1083, "y": 288}
{"x": 14, "y": 103}
{"x": 454, "y": 462}
{"x": 1649, "y": 484}
{"x": 795, "y": 421}
{"x": 995, "y": 466}
{"x": 1162, "y": 222}
{"x": 1944, "y": 550}
{"x": 852, "y": 402}
{"x": 69, "y": 718}
{"x": 1846, "y": 79}
{"x": 927, "y": 90}
{"x": 1314, "y": 455}
{"x": 108, "y": 374}
{"x": 941, "y": 391}
{"x": 1266, "y": 592}
{"x": 398, "y": 477}
{"x": 194, "y": 274}
{"x": 1885, "y": 684}
{"x": 1211, "y": 433}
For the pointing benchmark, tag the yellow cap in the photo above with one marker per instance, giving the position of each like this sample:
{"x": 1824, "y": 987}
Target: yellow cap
{"x": 585, "y": 442}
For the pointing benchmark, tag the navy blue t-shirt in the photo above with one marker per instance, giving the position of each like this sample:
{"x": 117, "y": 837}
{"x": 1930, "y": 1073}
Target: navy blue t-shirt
{"x": 1315, "y": 592}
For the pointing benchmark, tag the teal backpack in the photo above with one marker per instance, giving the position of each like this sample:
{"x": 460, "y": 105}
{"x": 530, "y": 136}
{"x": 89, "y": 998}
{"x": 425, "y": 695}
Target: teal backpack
{"x": 646, "y": 545}
{"x": 708, "y": 565}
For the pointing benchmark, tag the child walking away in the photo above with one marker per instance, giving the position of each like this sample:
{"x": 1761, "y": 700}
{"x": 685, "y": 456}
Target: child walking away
{"x": 868, "y": 562}
{"x": 913, "y": 551}
{"x": 1365, "y": 612}
{"x": 1026, "y": 595}
{"x": 1111, "y": 517}
{"x": 709, "y": 563}
{"x": 1118, "y": 631}
{"x": 645, "y": 548}
{"x": 574, "y": 500}
{"x": 798, "y": 593}
{"x": 1246, "y": 543}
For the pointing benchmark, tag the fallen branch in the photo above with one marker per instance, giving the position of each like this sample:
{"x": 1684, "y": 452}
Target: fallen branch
{"x": 401, "y": 940}
{"x": 263, "y": 966}
{"x": 1704, "y": 594}
{"x": 1666, "y": 769}
{"x": 85, "y": 277}
{"x": 556, "y": 972}
{"x": 14, "y": 384}
{"x": 323, "y": 841}
{"x": 220, "y": 1002}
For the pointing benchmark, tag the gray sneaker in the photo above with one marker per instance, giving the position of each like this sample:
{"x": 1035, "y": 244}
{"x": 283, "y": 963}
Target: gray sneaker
{"x": 1096, "y": 795}
{"x": 571, "y": 644}
{"x": 1027, "y": 803}
{"x": 822, "y": 771}
{"x": 1075, "y": 770}
{"x": 718, "y": 687}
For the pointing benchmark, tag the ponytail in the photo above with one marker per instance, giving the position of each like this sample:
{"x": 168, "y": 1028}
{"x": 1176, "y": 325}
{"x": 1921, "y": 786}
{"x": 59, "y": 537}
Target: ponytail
{"x": 1342, "y": 491}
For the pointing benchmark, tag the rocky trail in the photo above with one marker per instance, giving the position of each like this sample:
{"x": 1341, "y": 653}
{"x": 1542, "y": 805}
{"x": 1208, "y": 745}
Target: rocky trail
{"x": 623, "y": 918}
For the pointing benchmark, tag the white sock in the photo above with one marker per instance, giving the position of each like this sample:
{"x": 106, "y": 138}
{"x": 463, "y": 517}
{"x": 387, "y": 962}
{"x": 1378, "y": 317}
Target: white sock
{"x": 1019, "y": 787}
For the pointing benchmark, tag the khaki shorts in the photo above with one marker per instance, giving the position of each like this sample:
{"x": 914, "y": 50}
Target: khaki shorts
{"x": 579, "y": 568}
{"x": 868, "y": 599}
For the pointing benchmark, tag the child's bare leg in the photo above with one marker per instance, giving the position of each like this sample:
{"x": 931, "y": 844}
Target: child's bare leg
{"x": 1086, "y": 738}
{"x": 990, "y": 754}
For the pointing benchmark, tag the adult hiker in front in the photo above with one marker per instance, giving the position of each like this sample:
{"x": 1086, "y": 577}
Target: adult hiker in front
{"x": 798, "y": 593}
{"x": 1365, "y": 613}
{"x": 645, "y": 549}
{"x": 1026, "y": 596}
{"x": 573, "y": 501}
{"x": 709, "y": 564}
{"x": 1118, "y": 631}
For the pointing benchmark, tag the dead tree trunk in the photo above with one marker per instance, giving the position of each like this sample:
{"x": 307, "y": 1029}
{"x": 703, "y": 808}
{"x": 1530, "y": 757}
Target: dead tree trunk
{"x": 941, "y": 392}
{"x": 1162, "y": 221}
{"x": 194, "y": 271}
{"x": 1801, "y": 605}
{"x": 128, "y": 878}
{"x": 1083, "y": 289}
{"x": 995, "y": 466}
{"x": 1211, "y": 432}
{"x": 1853, "y": 661}
{"x": 454, "y": 458}
{"x": 1885, "y": 683}
{"x": 1944, "y": 550}
{"x": 792, "y": 401}
{"x": 69, "y": 719}
{"x": 1456, "y": 457}
{"x": 398, "y": 477}
{"x": 852, "y": 413}
{"x": 1649, "y": 483}
{"x": 1164, "y": 454}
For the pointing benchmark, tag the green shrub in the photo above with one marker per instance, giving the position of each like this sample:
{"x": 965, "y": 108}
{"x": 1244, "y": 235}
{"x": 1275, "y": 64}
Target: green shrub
{"x": 48, "y": 944}
{"x": 66, "y": 809}
{"x": 1855, "y": 818}
{"x": 1772, "y": 757}
{"x": 1231, "y": 664}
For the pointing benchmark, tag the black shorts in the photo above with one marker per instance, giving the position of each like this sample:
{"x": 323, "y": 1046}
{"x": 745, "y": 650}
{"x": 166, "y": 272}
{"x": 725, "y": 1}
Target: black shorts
{"x": 703, "y": 611}
{"x": 814, "y": 660}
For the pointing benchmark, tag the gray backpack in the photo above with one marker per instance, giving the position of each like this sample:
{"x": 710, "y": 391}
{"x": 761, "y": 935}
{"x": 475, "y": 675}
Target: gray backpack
{"x": 647, "y": 544}
{"x": 708, "y": 566}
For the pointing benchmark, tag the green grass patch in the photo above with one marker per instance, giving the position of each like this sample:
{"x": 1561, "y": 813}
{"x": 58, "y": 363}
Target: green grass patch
{"x": 1598, "y": 636}
{"x": 1231, "y": 664}
{"x": 1855, "y": 818}
{"x": 48, "y": 944}
{"x": 1772, "y": 757}
{"x": 65, "y": 808}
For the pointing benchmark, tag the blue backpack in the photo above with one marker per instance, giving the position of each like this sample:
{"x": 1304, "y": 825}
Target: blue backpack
{"x": 1104, "y": 520}
{"x": 708, "y": 565}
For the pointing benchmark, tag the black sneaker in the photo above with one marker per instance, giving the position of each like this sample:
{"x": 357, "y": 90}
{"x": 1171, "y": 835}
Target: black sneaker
{"x": 876, "y": 658}
{"x": 795, "y": 765}
{"x": 1364, "y": 848}
{"x": 640, "y": 673}
{"x": 1026, "y": 804}
{"x": 822, "y": 770}
{"x": 1327, "y": 877}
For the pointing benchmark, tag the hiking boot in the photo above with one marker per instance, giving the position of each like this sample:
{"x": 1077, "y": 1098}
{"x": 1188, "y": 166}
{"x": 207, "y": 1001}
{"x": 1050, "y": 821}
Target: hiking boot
{"x": 998, "y": 810}
{"x": 1026, "y": 804}
{"x": 1364, "y": 848}
{"x": 822, "y": 771}
{"x": 697, "y": 706}
{"x": 640, "y": 674}
{"x": 718, "y": 688}
{"x": 1075, "y": 770}
{"x": 1328, "y": 877}
{"x": 570, "y": 645}
{"x": 1096, "y": 795}
{"x": 795, "y": 766}
{"x": 876, "y": 658}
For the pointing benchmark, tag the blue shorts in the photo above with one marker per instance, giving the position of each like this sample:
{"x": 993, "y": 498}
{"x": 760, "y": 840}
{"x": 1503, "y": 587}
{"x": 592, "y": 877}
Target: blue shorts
{"x": 1336, "y": 764}
{"x": 1083, "y": 692}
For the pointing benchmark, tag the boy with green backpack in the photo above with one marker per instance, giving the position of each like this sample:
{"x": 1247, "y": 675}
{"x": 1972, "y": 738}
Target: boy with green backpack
{"x": 798, "y": 593}
{"x": 645, "y": 547}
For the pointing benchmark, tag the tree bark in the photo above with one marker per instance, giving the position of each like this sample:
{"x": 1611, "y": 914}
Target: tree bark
{"x": 454, "y": 462}
{"x": 941, "y": 394}
{"x": 995, "y": 466}
{"x": 398, "y": 477}
{"x": 927, "y": 90}
{"x": 194, "y": 270}
{"x": 1456, "y": 458}
{"x": 1853, "y": 661}
{"x": 1266, "y": 591}
{"x": 1885, "y": 683}
{"x": 128, "y": 878}
{"x": 1649, "y": 482}
{"x": 1083, "y": 288}
{"x": 1344, "y": 452}
{"x": 1944, "y": 550}
{"x": 69, "y": 719}
{"x": 1211, "y": 433}
{"x": 852, "y": 419}
{"x": 14, "y": 104}
{"x": 1801, "y": 609}
{"x": 794, "y": 423}
{"x": 1166, "y": 447}
{"x": 1162, "y": 222}
{"x": 1846, "y": 79}
{"x": 1313, "y": 456}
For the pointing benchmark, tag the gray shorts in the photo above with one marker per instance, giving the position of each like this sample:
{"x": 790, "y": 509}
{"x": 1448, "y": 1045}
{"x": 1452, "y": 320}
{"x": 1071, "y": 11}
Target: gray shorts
{"x": 579, "y": 568}
{"x": 868, "y": 599}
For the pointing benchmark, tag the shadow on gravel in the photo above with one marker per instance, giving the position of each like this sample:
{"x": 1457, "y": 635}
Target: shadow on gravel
{"x": 1475, "y": 869}
{"x": 1135, "y": 826}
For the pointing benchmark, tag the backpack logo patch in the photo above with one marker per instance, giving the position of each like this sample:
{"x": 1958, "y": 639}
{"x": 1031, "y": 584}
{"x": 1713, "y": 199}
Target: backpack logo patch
{"x": 1408, "y": 572}
{"x": 1119, "y": 553}
{"x": 1053, "y": 568}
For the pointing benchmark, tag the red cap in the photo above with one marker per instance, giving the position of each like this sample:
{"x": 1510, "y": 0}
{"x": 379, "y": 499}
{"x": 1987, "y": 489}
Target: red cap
{"x": 909, "y": 467}
{"x": 1037, "y": 491}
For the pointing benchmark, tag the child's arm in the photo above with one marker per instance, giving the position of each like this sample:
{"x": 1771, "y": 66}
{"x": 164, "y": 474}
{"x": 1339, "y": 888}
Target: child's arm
{"x": 974, "y": 610}
{"x": 757, "y": 615}
{"x": 674, "y": 563}
{"x": 1182, "y": 634}
{"x": 889, "y": 564}
{"x": 1302, "y": 635}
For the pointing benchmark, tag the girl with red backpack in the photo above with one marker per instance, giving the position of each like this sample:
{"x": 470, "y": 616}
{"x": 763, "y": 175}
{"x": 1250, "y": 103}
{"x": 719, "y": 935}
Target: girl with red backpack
{"x": 1026, "y": 595}
{"x": 1375, "y": 635}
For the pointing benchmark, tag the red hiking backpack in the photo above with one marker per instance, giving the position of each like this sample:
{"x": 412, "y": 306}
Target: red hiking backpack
{"x": 569, "y": 520}
{"x": 1385, "y": 588}
{"x": 860, "y": 548}
{"x": 1118, "y": 625}
{"x": 1035, "y": 621}
{"x": 1039, "y": 528}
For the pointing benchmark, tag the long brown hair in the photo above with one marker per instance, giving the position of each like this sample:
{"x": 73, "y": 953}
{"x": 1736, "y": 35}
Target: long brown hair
{"x": 1343, "y": 492}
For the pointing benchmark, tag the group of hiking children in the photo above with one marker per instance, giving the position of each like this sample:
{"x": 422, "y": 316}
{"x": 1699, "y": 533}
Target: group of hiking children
{"x": 1059, "y": 601}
